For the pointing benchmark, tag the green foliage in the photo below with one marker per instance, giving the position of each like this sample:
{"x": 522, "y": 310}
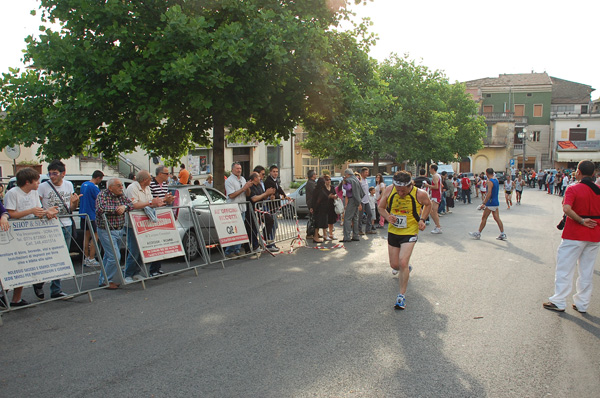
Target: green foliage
{"x": 160, "y": 74}
{"x": 405, "y": 111}
{"x": 296, "y": 184}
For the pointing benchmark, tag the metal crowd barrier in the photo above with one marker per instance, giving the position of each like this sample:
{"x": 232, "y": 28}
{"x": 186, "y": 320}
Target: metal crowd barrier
{"x": 192, "y": 247}
{"x": 83, "y": 280}
{"x": 284, "y": 217}
{"x": 214, "y": 251}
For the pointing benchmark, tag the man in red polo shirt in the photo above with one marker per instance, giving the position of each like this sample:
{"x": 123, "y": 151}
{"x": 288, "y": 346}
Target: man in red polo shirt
{"x": 580, "y": 241}
{"x": 465, "y": 185}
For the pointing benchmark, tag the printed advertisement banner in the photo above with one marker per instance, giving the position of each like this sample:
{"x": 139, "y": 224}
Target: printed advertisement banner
{"x": 157, "y": 240}
{"x": 33, "y": 251}
{"x": 229, "y": 224}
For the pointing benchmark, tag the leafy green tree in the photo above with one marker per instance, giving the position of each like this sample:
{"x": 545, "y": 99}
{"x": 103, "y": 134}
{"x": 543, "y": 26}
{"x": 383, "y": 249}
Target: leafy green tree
{"x": 160, "y": 74}
{"x": 404, "y": 111}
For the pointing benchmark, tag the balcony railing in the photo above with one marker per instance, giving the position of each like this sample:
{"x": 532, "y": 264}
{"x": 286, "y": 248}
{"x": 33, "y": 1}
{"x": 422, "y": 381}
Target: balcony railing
{"x": 504, "y": 117}
{"x": 494, "y": 141}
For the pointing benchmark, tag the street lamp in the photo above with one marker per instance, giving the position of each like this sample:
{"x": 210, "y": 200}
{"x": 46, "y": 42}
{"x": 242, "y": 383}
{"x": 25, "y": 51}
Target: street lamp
{"x": 524, "y": 138}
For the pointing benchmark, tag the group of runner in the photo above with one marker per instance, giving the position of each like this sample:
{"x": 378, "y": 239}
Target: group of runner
{"x": 406, "y": 207}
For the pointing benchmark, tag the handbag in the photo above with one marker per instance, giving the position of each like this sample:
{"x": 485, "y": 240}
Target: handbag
{"x": 310, "y": 225}
{"x": 338, "y": 206}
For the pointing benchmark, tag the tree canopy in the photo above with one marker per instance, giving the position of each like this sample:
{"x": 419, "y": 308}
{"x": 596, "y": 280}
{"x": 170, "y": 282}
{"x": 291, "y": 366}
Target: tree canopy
{"x": 159, "y": 74}
{"x": 409, "y": 113}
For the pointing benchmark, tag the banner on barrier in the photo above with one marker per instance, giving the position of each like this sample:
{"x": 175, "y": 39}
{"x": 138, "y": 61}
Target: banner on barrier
{"x": 229, "y": 224}
{"x": 33, "y": 251}
{"x": 157, "y": 240}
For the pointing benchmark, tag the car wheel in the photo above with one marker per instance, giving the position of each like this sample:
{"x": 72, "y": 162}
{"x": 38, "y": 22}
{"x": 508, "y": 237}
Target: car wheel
{"x": 191, "y": 246}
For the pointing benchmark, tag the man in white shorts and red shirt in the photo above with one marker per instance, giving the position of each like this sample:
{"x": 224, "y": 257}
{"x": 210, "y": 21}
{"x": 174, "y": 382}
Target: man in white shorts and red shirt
{"x": 436, "y": 197}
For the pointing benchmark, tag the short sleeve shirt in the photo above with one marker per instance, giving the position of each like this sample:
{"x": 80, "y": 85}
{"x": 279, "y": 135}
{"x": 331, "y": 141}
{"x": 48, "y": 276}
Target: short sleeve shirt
{"x": 233, "y": 184}
{"x": 87, "y": 204}
{"x": 62, "y": 201}
{"x": 585, "y": 203}
{"x": 17, "y": 200}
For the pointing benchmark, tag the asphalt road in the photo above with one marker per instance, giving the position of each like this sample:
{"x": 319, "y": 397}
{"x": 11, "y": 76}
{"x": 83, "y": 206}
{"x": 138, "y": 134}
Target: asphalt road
{"x": 322, "y": 324}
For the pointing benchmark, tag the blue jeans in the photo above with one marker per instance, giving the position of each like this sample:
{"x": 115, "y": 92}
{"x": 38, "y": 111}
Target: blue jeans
{"x": 110, "y": 242}
{"x": 442, "y": 207}
{"x": 235, "y": 248}
{"x": 133, "y": 255}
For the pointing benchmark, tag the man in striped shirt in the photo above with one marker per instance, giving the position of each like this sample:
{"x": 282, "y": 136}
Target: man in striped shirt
{"x": 159, "y": 189}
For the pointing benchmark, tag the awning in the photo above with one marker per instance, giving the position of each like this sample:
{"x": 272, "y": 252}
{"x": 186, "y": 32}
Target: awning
{"x": 577, "y": 156}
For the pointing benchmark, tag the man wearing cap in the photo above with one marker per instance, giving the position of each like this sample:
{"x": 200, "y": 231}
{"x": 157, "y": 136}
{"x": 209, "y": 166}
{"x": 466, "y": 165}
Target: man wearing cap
{"x": 353, "y": 206}
{"x": 406, "y": 208}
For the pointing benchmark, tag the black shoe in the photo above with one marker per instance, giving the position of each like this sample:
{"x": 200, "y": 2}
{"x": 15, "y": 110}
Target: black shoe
{"x": 21, "y": 303}
{"x": 552, "y": 307}
{"x": 61, "y": 295}
{"x": 346, "y": 240}
{"x": 356, "y": 239}
{"x": 39, "y": 292}
{"x": 577, "y": 309}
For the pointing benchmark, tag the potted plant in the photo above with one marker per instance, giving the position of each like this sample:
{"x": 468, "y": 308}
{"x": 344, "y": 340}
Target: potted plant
{"x": 34, "y": 164}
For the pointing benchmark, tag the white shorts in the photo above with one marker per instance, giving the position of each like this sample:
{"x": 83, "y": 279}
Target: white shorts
{"x": 492, "y": 208}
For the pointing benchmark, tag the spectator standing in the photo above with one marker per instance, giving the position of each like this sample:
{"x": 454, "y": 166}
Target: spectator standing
{"x": 366, "y": 205}
{"x": 159, "y": 189}
{"x": 87, "y": 205}
{"x": 58, "y": 193}
{"x": 465, "y": 185}
{"x": 140, "y": 194}
{"x": 23, "y": 201}
{"x": 354, "y": 195}
{"x": 310, "y": 189}
{"x": 113, "y": 203}
{"x": 184, "y": 176}
{"x": 580, "y": 242}
{"x": 236, "y": 190}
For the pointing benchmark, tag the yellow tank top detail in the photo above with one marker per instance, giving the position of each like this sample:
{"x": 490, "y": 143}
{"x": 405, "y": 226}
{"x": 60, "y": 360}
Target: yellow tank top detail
{"x": 402, "y": 208}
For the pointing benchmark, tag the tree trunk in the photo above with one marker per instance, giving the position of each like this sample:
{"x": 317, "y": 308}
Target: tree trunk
{"x": 219, "y": 153}
{"x": 376, "y": 163}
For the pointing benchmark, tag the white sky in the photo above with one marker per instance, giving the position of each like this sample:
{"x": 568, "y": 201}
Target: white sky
{"x": 467, "y": 39}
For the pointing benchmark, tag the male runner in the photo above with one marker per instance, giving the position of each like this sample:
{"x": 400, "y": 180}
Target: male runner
{"x": 436, "y": 197}
{"x": 405, "y": 207}
{"x": 491, "y": 206}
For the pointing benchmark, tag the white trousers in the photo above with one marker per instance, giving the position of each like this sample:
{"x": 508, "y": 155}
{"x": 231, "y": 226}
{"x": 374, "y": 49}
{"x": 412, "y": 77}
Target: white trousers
{"x": 568, "y": 254}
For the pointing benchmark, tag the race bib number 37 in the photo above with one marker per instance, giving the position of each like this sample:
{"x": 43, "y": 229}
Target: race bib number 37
{"x": 400, "y": 222}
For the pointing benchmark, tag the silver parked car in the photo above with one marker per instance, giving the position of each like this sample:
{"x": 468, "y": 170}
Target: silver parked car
{"x": 200, "y": 197}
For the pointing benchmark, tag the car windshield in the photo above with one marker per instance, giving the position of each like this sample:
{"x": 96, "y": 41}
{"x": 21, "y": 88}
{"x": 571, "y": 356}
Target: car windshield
{"x": 198, "y": 197}
{"x": 216, "y": 196}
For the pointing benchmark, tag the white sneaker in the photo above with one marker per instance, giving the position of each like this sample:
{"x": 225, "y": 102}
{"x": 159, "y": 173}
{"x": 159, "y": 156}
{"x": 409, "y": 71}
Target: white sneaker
{"x": 129, "y": 279}
{"x": 475, "y": 235}
{"x": 436, "y": 230}
{"x": 92, "y": 262}
{"x": 449, "y": 211}
{"x": 502, "y": 236}
{"x": 137, "y": 277}
{"x": 395, "y": 272}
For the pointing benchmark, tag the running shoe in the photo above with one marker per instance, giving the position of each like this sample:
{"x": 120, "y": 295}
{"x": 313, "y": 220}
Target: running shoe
{"x": 476, "y": 235}
{"x": 502, "y": 236}
{"x": 436, "y": 230}
{"x": 400, "y": 302}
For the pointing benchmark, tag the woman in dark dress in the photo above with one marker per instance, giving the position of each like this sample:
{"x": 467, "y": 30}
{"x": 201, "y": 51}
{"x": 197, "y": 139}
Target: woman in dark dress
{"x": 323, "y": 208}
{"x": 331, "y": 214}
